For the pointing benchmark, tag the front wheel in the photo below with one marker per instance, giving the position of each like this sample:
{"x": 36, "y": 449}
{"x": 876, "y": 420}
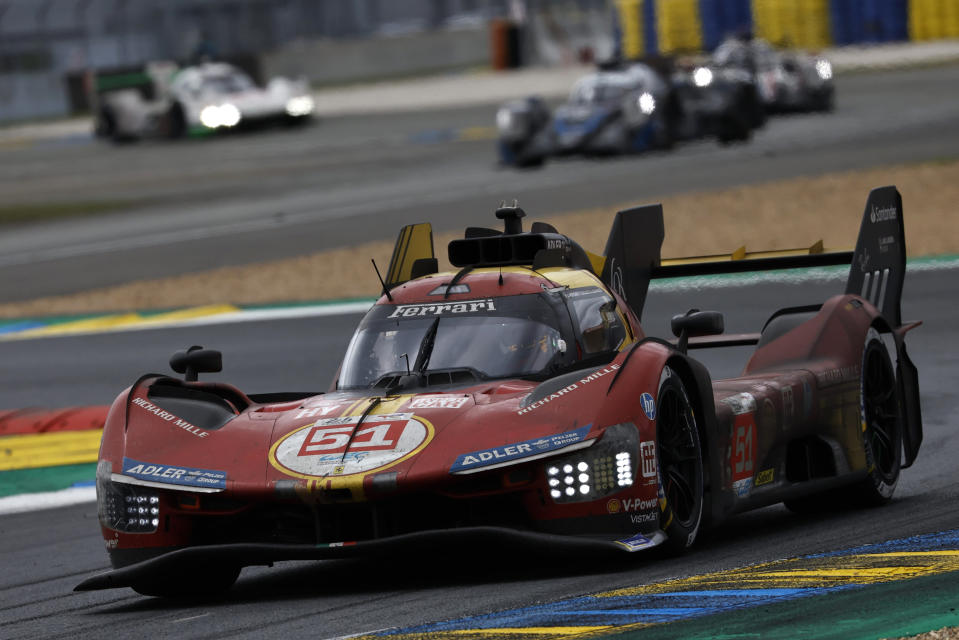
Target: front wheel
{"x": 680, "y": 464}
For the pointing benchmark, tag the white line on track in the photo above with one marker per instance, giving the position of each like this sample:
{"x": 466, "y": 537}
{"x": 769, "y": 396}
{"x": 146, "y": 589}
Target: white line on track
{"x": 47, "y": 500}
{"x": 791, "y": 276}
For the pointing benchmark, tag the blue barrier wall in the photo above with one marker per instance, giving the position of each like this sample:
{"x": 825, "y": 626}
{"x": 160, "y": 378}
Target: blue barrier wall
{"x": 665, "y": 24}
{"x": 721, "y": 19}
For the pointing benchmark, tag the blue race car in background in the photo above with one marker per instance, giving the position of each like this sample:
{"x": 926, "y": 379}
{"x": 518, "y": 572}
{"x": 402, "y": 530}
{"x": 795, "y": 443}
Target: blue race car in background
{"x": 626, "y": 109}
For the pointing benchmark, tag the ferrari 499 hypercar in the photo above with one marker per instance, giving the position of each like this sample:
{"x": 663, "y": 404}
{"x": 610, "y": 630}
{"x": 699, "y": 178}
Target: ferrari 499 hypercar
{"x": 628, "y": 109}
{"x": 165, "y": 101}
{"x": 790, "y": 80}
{"x": 518, "y": 400}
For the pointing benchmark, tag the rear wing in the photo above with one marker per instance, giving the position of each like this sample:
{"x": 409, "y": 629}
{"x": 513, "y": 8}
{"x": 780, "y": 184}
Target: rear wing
{"x": 877, "y": 266}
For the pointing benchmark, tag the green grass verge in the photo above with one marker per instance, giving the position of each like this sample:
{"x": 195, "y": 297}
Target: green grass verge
{"x": 889, "y": 610}
{"x": 22, "y": 213}
{"x": 23, "y": 481}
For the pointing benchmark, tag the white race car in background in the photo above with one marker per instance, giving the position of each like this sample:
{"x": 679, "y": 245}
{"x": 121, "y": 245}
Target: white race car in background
{"x": 167, "y": 101}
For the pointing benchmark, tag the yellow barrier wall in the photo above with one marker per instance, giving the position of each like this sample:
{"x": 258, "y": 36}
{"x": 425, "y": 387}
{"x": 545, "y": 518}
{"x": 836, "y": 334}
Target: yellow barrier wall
{"x": 631, "y": 25}
{"x": 933, "y": 19}
{"x": 793, "y": 23}
{"x": 678, "y": 26}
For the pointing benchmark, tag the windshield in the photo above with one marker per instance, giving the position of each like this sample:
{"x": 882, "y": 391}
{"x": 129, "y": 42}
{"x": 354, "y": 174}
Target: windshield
{"x": 227, "y": 83}
{"x": 599, "y": 89}
{"x": 491, "y": 338}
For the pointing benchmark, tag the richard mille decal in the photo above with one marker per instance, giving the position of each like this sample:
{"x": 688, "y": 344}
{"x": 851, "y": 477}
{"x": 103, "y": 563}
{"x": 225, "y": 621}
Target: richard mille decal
{"x": 169, "y": 417}
{"x": 559, "y": 393}
{"x": 340, "y": 447}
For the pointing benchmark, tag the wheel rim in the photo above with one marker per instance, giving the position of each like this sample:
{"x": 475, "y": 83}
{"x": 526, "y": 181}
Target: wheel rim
{"x": 679, "y": 458}
{"x": 881, "y": 412}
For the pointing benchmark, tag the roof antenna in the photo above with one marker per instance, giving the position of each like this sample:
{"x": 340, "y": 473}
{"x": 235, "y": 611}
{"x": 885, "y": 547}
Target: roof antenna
{"x": 386, "y": 291}
{"x": 511, "y": 217}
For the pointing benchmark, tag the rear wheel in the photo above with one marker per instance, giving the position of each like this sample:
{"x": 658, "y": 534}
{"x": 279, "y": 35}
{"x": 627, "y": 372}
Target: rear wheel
{"x": 881, "y": 424}
{"x": 680, "y": 464}
{"x": 881, "y": 438}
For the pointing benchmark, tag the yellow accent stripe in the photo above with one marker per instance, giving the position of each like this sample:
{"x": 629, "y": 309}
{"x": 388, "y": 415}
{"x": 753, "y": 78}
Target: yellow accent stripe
{"x": 118, "y": 321}
{"x": 544, "y": 633}
{"x": 831, "y": 571}
{"x": 552, "y": 631}
{"x": 191, "y": 313}
{"x": 477, "y": 133}
{"x": 49, "y": 449}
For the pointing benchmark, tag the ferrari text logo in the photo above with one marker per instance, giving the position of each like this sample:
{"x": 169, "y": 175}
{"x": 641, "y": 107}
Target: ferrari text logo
{"x": 416, "y": 310}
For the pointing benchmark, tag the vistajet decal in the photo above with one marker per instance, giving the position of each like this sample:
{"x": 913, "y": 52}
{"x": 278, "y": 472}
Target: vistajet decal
{"x": 439, "y": 401}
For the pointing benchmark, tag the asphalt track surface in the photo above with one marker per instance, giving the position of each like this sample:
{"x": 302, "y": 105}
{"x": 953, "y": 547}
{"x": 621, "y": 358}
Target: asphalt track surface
{"x": 248, "y": 198}
{"x": 46, "y": 553}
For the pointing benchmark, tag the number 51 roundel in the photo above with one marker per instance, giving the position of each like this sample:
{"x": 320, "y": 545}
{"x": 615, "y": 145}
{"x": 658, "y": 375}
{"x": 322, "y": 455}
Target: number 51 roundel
{"x": 335, "y": 446}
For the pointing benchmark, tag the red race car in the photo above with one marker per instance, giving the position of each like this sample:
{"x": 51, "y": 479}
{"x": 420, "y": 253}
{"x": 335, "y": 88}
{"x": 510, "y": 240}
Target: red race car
{"x": 519, "y": 400}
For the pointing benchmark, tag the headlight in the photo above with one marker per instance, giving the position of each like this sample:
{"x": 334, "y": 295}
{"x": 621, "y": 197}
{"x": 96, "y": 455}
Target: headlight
{"x": 702, "y": 77}
{"x": 606, "y": 467}
{"x": 504, "y": 119}
{"x": 126, "y": 507}
{"x": 299, "y": 106}
{"x": 210, "y": 116}
{"x": 216, "y": 116}
{"x": 824, "y": 69}
{"x": 647, "y": 103}
{"x": 229, "y": 115}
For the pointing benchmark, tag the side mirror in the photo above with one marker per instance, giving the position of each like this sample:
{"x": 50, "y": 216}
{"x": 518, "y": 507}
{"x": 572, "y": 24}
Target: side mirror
{"x": 696, "y": 323}
{"x": 196, "y": 360}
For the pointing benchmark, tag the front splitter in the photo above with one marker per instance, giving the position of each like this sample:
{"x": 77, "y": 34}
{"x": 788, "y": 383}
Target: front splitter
{"x": 250, "y": 554}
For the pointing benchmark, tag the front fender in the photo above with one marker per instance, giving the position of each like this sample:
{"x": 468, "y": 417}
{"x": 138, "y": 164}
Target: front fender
{"x": 640, "y": 373}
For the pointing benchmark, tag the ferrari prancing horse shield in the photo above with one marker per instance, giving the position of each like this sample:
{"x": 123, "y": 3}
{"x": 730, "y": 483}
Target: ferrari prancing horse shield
{"x": 337, "y": 447}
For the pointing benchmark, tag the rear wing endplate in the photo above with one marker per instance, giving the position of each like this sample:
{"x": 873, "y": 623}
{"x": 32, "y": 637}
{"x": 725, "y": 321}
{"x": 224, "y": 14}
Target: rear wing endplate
{"x": 412, "y": 255}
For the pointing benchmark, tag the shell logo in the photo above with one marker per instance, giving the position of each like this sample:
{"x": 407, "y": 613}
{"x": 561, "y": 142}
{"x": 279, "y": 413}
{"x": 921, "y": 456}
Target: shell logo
{"x": 613, "y": 506}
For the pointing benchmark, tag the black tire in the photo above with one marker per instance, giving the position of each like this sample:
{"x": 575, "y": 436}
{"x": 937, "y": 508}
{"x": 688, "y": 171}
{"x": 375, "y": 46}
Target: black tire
{"x": 735, "y": 125}
{"x": 881, "y": 438}
{"x": 680, "y": 464}
{"x": 881, "y": 424}
{"x": 105, "y": 124}
{"x": 202, "y": 580}
{"x": 176, "y": 122}
{"x": 757, "y": 115}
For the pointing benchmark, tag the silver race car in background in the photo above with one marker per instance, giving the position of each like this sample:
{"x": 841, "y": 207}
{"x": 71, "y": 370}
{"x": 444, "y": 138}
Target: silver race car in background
{"x": 167, "y": 101}
{"x": 788, "y": 80}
